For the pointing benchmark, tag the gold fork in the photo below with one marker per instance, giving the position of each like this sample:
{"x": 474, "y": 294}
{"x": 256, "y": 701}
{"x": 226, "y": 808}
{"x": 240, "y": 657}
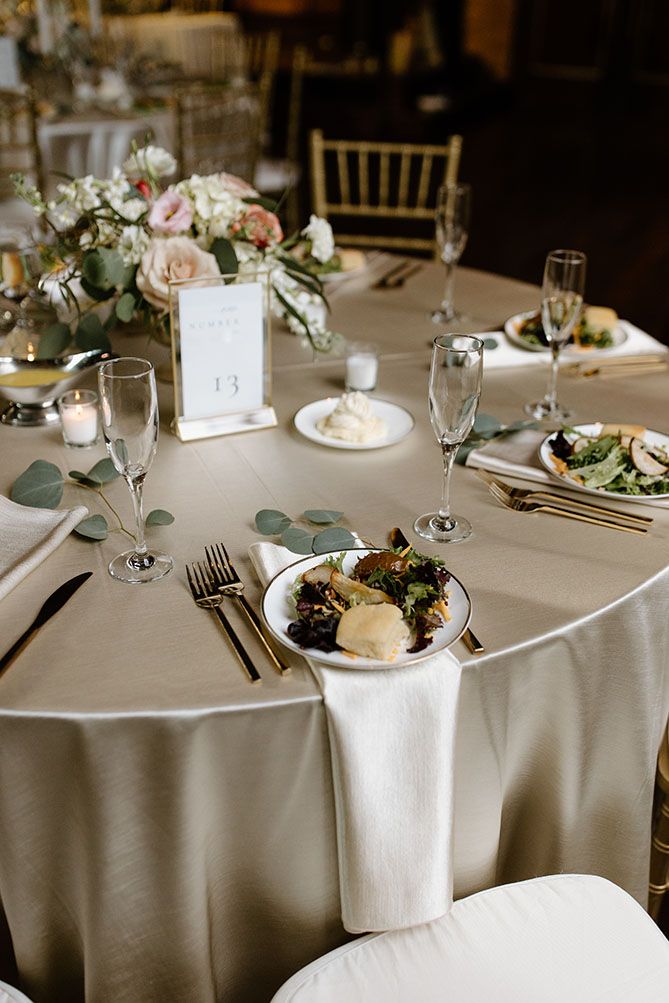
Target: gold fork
{"x": 519, "y": 505}
{"x": 228, "y": 583}
{"x": 563, "y": 501}
{"x": 206, "y": 595}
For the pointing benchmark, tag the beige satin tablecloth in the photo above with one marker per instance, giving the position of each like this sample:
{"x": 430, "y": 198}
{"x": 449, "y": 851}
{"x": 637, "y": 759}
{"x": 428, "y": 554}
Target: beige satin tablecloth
{"x": 167, "y": 830}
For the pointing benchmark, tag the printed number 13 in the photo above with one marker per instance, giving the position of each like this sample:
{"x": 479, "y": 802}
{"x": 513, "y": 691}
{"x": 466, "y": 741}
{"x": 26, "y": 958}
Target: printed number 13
{"x": 232, "y": 382}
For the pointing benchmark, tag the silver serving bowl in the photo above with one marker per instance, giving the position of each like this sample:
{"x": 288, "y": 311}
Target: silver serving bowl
{"x": 36, "y": 404}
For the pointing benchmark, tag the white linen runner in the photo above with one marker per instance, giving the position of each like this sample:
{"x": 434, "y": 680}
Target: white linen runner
{"x": 28, "y": 536}
{"x": 392, "y": 742}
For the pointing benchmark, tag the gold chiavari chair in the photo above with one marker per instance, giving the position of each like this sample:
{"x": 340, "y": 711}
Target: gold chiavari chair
{"x": 659, "y": 852}
{"x": 384, "y": 190}
{"x": 262, "y": 63}
{"x": 19, "y": 149}
{"x": 218, "y": 128}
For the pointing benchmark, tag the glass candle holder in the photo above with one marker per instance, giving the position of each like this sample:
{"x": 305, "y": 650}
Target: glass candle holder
{"x": 79, "y": 417}
{"x": 362, "y": 366}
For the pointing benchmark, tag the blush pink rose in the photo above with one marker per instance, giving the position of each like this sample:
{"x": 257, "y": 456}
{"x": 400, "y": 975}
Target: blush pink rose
{"x": 167, "y": 259}
{"x": 259, "y": 226}
{"x": 170, "y": 213}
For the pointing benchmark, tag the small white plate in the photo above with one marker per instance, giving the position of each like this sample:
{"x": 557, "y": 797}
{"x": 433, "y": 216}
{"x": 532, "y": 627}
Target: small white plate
{"x": 278, "y": 612}
{"x": 512, "y": 328}
{"x": 594, "y": 429}
{"x": 399, "y": 423}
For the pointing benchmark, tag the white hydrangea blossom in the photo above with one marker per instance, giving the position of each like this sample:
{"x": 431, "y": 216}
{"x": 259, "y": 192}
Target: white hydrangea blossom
{"x": 81, "y": 195}
{"x": 133, "y": 242}
{"x": 132, "y": 209}
{"x": 151, "y": 160}
{"x": 319, "y": 232}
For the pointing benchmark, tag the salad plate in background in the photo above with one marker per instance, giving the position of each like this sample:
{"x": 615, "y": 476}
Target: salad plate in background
{"x": 398, "y": 423}
{"x": 614, "y": 459}
{"x": 600, "y": 336}
{"x": 279, "y": 610}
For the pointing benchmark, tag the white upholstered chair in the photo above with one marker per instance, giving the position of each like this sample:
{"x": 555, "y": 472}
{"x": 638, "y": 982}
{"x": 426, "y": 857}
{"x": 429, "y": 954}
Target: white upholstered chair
{"x": 562, "y": 939}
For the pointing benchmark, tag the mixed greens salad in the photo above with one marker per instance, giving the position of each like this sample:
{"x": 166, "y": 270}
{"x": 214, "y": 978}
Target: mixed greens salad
{"x": 584, "y": 335}
{"x": 612, "y": 461}
{"x": 412, "y": 581}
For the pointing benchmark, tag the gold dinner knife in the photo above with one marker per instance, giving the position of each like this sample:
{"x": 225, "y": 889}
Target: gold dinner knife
{"x": 55, "y": 602}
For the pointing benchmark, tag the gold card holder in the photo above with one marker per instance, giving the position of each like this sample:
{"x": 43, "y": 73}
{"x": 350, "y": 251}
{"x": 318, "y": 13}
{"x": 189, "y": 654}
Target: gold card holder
{"x": 221, "y": 355}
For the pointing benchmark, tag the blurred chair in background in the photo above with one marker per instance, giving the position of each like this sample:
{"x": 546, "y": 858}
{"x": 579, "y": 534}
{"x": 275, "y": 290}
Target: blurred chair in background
{"x": 385, "y": 191}
{"x": 19, "y": 152}
{"x": 218, "y": 128}
{"x": 659, "y": 851}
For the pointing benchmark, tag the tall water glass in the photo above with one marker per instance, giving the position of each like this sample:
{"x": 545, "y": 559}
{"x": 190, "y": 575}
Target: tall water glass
{"x": 129, "y": 408}
{"x": 452, "y": 229}
{"x": 561, "y": 302}
{"x": 455, "y": 387}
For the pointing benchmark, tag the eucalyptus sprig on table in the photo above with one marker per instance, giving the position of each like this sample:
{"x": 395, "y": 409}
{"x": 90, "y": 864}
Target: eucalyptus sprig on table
{"x": 486, "y": 428}
{"x": 42, "y": 485}
{"x": 271, "y": 522}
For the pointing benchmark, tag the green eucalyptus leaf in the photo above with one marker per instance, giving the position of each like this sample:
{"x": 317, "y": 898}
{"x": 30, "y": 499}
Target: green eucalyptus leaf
{"x": 125, "y": 307}
{"x": 77, "y": 475}
{"x": 93, "y": 270}
{"x": 41, "y": 486}
{"x": 91, "y": 335}
{"x": 113, "y": 265}
{"x": 93, "y": 528}
{"x": 490, "y": 343}
{"x": 486, "y": 423}
{"x": 271, "y": 522}
{"x": 53, "y": 341}
{"x": 322, "y": 516}
{"x": 103, "y": 471}
{"x": 297, "y": 540}
{"x": 226, "y": 258}
{"x": 159, "y": 517}
{"x": 464, "y": 451}
{"x": 270, "y": 204}
{"x": 335, "y": 538}
{"x": 96, "y": 294}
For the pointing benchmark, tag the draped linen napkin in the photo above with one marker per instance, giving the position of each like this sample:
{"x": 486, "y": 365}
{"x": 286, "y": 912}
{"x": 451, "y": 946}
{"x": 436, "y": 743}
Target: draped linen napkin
{"x": 28, "y": 536}
{"x": 517, "y": 455}
{"x": 392, "y": 745}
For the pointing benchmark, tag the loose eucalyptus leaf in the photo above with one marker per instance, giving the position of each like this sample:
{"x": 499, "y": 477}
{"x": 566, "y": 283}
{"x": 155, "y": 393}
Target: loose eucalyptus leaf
{"x": 322, "y": 516}
{"x": 224, "y": 253}
{"x": 517, "y": 426}
{"x": 297, "y": 540}
{"x": 93, "y": 528}
{"x": 335, "y": 538}
{"x": 486, "y": 423}
{"x": 91, "y": 335}
{"x": 490, "y": 343}
{"x": 159, "y": 517}
{"x": 125, "y": 307}
{"x": 41, "y": 486}
{"x": 103, "y": 471}
{"x": 464, "y": 451}
{"x": 77, "y": 475}
{"x": 53, "y": 341}
{"x": 271, "y": 522}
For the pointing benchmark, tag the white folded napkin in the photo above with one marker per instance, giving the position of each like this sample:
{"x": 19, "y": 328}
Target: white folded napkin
{"x": 392, "y": 744}
{"x": 517, "y": 455}
{"x": 28, "y": 536}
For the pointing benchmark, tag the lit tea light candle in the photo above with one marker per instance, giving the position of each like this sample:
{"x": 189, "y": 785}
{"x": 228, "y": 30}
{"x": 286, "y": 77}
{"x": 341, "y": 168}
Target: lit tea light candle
{"x": 362, "y": 366}
{"x": 79, "y": 416}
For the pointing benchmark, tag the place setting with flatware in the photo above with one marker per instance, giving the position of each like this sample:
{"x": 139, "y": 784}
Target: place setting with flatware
{"x": 285, "y": 646}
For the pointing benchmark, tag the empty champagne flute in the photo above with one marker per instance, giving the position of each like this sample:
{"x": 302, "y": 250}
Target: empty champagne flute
{"x": 561, "y": 302}
{"x": 455, "y": 387}
{"x": 452, "y": 229}
{"x": 130, "y": 424}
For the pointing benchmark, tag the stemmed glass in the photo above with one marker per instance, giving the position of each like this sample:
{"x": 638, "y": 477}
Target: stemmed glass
{"x": 455, "y": 387}
{"x": 452, "y": 230}
{"x": 561, "y": 301}
{"x": 130, "y": 424}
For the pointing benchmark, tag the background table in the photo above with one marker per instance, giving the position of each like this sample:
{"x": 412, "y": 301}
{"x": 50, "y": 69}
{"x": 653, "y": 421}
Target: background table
{"x": 168, "y": 830}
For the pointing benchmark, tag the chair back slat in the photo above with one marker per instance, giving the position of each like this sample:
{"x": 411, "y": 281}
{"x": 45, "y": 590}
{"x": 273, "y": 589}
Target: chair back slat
{"x": 424, "y": 180}
{"x": 363, "y": 178}
{"x": 403, "y": 192}
{"x": 342, "y": 165}
{"x": 19, "y": 147}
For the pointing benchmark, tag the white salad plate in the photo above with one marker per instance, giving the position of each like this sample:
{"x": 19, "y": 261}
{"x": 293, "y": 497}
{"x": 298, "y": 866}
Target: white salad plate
{"x": 278, "y": 610}
{"x": 512, "y": 329}
{"x": 399, "y": 423}
{"x": 594, "y": 429}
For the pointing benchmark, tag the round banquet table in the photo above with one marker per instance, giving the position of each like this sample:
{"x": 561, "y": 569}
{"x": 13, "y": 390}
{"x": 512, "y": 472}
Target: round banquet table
{"x": 167, "y": 829}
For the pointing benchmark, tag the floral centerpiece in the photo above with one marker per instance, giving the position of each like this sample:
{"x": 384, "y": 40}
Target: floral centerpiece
{"x": 117, "y": 243}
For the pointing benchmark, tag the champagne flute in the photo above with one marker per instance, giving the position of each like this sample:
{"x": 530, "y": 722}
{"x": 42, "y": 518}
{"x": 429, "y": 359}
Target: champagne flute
{"x": 561, "y": 302}
{"x": 452, "y": 229}
{"x": 455, "y": 387}
{"x": 130, "y": 425}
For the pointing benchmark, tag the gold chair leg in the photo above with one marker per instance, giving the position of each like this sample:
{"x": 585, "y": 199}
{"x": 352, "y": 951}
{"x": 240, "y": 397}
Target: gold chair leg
{"x": 659, "y": 852}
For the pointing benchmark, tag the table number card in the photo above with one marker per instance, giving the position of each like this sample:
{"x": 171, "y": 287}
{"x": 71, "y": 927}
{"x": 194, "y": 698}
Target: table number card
{"x": 220, "y": 355}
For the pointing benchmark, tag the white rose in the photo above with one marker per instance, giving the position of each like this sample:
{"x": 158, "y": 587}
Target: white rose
{"x": 319, "y": 232}
{"x": 151, "y": 160}
{"x": 168, "y": 259}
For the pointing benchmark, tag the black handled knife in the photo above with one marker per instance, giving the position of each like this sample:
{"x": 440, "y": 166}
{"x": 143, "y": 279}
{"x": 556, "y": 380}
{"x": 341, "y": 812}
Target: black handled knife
{"x": 55, "y": 602}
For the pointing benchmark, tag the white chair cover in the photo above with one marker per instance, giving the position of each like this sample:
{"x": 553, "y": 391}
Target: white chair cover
{"x": 562, "y": 939}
